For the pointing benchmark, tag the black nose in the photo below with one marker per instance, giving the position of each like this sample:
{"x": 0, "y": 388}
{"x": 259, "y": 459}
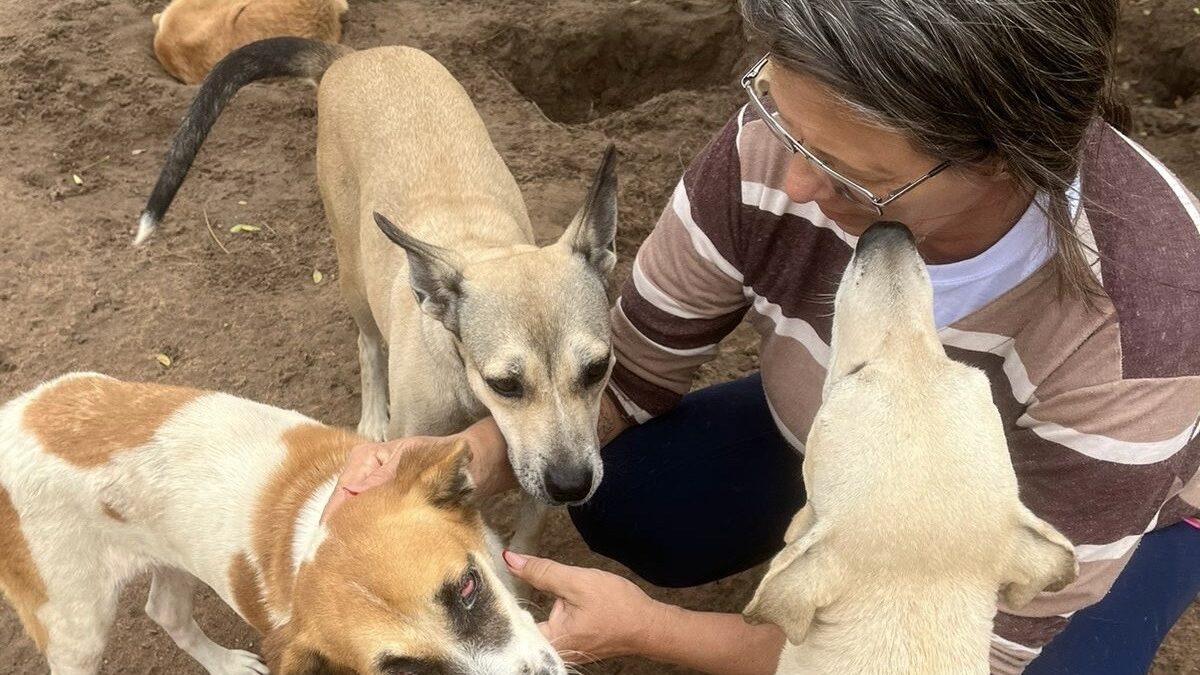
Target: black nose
{"x": 885, "y": 234}
{"x": 567, "y": 483}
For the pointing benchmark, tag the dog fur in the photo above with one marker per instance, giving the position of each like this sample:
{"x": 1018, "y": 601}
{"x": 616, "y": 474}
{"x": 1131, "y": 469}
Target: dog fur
{"x": 101, "y": 480}
{"x": 192, "y": 35}
{"x": 913, "y": 521}
{"x": 463, "y": 316}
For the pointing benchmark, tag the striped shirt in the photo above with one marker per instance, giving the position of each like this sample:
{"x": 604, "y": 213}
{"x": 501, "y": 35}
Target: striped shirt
{"x": 1100, "y": 402}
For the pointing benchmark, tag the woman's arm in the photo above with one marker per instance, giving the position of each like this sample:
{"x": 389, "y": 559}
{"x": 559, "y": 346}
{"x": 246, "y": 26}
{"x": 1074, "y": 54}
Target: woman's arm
{"x": 597, "y": 615}
{"x": 711, "y": 642}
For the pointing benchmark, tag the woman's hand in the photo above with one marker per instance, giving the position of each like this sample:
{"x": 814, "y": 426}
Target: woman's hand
{"x": 374, "y": 464}
{"x": 596, "y": 615}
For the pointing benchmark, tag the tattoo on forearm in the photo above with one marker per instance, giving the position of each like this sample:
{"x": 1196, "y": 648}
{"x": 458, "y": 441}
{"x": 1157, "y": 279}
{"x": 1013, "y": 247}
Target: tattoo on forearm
{"x": 611, "y": 422}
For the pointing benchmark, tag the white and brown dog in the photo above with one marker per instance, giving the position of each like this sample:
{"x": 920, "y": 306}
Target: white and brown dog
{"x": 913, "y": 524}
{"x": 102, "y": 479}
{"x": 192, "y": 35}
{"x": 460, "y": 314}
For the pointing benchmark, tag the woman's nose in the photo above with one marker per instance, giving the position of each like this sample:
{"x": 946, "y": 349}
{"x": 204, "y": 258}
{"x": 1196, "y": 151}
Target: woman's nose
{"x": 807, "y": 183}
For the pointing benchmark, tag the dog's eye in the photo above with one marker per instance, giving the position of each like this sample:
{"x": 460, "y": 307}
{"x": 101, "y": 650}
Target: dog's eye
{"x": 508, "y": 387}
{"x": 594, "y": 373}
{"x": 468, "y": 590}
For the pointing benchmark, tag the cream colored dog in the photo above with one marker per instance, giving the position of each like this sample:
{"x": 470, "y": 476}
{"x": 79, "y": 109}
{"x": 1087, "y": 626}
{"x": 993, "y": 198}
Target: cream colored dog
{"x": 192, "y": 35}
{"x": 102, "y": 479}
{"x": 913, "y": 522}
{"x": 459, "y": 314}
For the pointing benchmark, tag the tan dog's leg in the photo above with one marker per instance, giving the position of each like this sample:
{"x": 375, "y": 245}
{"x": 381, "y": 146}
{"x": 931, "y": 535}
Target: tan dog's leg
{"x": 527, "y": 535}
{"x": 170, "y": 606}
{"x": 372, "y": 362}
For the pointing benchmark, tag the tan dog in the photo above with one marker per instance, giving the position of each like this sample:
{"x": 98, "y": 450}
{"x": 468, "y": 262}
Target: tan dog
{"x": 192, "y": 35}
{"x": 474, "y": 318}
{"x": 101, "y": 480}
{"x": 913, "y": 523}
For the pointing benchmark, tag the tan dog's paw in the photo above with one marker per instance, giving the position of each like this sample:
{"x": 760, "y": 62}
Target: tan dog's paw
{"x": 156, "y": 19}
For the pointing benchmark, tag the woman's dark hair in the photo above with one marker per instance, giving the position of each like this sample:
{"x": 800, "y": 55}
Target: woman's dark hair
{"x": 976, "y": 82}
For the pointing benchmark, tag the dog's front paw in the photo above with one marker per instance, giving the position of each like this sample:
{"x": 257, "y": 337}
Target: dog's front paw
{"x": 375, "y": 430}
{"x": 238, "y": 662}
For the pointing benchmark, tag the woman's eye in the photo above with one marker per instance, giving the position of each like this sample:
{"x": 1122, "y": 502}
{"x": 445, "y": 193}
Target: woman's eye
{"x": 508, "y": 387}
{"x": 469, "y": 590}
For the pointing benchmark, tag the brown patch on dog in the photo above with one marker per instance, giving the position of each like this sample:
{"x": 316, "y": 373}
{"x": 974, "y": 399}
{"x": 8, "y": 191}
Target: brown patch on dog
{"x": 112, "y": 513}
{"x": 243, "y": 581}
{"x": 86, "y": 420}
{"x": 315, "y": 454}
{"x": 19, "y": 578}
{"x": 192, "y": 35}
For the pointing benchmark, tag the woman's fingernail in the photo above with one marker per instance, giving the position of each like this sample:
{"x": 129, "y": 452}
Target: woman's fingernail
{"x": 515, "y": 560}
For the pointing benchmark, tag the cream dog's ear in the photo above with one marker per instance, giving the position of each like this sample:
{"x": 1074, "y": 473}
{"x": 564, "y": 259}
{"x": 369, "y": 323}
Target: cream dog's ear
{"x": 800, "y": 581}
{"x": 1041, "y": 559}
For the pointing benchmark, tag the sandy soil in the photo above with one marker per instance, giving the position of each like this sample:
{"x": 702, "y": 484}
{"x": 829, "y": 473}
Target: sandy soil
{"x": 554, "y": 81}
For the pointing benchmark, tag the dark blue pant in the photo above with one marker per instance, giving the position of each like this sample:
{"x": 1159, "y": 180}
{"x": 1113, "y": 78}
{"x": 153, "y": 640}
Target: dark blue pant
{"x": 708, "y": 490}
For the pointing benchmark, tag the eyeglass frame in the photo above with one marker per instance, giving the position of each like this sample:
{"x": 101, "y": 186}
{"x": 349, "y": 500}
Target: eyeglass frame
{"x": 750, "y": 79}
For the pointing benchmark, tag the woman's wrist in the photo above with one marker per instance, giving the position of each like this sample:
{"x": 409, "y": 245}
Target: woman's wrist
{"x": 654, "y": 632}
{"x": 710, "y": 642}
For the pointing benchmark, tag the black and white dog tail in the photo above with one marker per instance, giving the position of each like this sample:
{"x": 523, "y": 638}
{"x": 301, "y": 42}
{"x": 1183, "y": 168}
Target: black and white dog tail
{"x": 273, "y": 57}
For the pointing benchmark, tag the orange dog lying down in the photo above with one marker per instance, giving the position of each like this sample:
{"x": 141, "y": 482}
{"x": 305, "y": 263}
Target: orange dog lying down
{"x": 192, "y": 35}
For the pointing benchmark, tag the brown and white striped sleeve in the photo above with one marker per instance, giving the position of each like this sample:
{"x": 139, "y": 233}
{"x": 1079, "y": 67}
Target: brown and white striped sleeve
{"x": 1098, "y": 461}
{"x": 1106, "y": 444}
{"x": 685, "y": 292}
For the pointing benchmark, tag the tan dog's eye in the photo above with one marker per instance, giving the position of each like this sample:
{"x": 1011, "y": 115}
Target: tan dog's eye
{"x": 469, "y": 590}
{"x": 594, "y": 372}
{"x": 508, "y": 387}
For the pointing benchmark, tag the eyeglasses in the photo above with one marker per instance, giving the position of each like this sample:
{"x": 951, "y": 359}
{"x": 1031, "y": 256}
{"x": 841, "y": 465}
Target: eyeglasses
{"x": 756, "y": 89}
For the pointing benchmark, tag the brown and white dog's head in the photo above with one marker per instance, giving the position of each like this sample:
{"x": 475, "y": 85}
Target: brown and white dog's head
{"x": 912, "y": 494}
{"x": 532, "y": 329}
{"x": 404, "y": 582}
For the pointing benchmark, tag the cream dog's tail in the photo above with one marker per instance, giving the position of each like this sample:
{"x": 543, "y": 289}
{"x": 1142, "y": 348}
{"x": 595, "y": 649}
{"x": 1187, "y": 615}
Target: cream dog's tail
{"x": 273, "y": 57}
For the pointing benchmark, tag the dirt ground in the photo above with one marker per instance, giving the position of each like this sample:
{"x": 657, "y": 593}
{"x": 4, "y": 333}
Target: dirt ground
{"x": 554, "y": 81}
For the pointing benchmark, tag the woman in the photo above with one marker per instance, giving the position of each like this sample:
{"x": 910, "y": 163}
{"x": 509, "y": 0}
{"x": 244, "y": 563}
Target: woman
{"x": 1063, "y": 259}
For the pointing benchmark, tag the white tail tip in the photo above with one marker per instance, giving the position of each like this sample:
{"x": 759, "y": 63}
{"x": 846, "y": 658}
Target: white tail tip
{"x": 146, "y": 227}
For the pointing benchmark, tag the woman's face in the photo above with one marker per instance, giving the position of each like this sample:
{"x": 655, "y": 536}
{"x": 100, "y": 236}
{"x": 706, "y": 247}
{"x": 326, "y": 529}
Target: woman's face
{"x": 878, "y": 159}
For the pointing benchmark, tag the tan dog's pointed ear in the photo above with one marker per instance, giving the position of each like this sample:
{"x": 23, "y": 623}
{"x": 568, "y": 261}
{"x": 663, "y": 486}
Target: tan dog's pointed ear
{"x": 434, "y": 272}
{"x": 799, "y": 581}
{"x": 592, "y": 234}
{"x": 1041, "y": 559}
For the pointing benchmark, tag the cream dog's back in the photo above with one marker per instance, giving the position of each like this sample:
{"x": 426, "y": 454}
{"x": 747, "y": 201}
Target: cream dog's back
{"x": 913, "y": 527}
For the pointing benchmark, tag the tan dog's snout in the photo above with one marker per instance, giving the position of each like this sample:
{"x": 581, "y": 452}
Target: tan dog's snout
{"x": 570, "y": 482}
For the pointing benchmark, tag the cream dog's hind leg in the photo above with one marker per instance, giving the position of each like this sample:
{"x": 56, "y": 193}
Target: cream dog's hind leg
{"x": 170, "y": 606}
